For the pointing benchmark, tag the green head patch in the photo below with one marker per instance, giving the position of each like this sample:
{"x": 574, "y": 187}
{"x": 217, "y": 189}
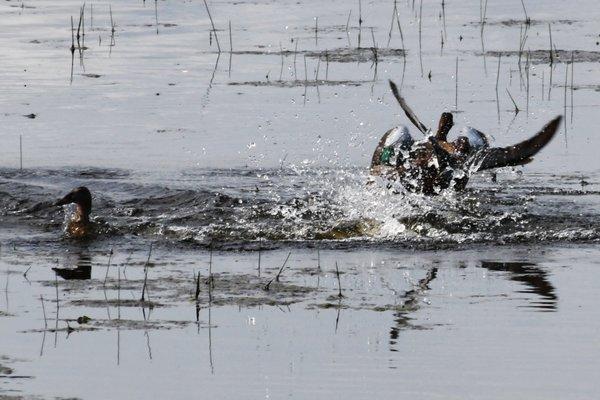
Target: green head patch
{"x": 386, "y": 155}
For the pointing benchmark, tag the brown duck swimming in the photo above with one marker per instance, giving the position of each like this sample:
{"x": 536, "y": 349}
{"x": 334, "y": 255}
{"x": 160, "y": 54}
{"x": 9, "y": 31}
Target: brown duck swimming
{"x": 79, "y": 226}
{"x": 434, "y": 164}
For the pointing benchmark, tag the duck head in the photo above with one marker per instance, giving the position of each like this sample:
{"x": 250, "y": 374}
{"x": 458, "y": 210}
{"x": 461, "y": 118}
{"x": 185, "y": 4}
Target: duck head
{"x": 81, "y": 197}
{"x": 446, "y": 123}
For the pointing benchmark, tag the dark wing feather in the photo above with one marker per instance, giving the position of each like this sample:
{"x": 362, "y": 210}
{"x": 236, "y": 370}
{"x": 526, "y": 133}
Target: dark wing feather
{"x": 517, "y": 154}
{"x": 409, "y": 113}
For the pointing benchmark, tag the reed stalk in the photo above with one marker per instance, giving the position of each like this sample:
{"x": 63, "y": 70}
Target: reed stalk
{"x": 214, "y": 30}
{"x": 337, "y": 273}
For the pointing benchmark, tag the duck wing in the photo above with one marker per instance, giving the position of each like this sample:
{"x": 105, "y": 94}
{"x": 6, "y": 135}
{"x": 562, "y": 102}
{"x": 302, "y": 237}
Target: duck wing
{"x": 518, "y": 154}
{"x": 409, "y": 113}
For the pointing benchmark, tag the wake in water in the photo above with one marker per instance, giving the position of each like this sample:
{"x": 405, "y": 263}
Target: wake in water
{"x": 245, "y": 209}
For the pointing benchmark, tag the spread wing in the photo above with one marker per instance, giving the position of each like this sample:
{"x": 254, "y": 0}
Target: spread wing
{"x": 518, "y": 154}
{"x": 409, "y": 113}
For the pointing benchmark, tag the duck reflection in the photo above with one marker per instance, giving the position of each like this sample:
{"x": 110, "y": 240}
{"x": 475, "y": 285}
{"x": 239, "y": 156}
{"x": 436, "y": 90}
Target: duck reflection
{"x": 411, "y": 303}
{"x": 82, "y": 270}
{"x": 534, "y": 278}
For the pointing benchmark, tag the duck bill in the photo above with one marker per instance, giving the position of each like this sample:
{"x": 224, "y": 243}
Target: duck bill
{"x": 63, "y": 201}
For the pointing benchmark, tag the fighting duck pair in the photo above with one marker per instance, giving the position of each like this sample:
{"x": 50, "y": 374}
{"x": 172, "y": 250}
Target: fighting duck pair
{"x": 431, "y": 165}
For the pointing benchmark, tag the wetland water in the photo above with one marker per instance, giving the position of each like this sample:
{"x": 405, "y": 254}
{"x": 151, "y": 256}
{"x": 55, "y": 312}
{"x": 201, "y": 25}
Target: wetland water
{"x": 260, "y": 153}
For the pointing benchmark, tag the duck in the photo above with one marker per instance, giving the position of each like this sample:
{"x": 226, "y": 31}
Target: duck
{"x": 434, "y": 164}
{"x": 79, "y": 226}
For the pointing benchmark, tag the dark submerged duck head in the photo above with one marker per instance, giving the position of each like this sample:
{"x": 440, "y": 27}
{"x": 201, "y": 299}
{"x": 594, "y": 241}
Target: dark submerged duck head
{"x": 79, "y": 225}
{"x": 431, "y": 165}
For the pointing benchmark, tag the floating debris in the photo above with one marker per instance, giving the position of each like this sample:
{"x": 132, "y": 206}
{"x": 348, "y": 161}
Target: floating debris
{"x": 363, "y": 54}
{"x": 543, "y": 56}
{"x": 298, "y": 83}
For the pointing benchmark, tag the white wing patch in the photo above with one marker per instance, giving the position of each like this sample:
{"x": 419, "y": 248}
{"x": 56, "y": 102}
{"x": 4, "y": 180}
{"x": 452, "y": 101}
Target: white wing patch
{"x": 476, "y": 139}
{"x": 398, "y": 134}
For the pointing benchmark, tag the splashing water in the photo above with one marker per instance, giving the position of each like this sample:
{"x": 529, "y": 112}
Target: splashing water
{"x": 328, "y": 207}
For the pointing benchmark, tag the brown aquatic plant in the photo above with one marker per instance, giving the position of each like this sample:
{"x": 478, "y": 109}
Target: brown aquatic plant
{"x": 513, "y": 101}
{"x": 146, "y": 266}
{"x": 337, "y": 273}
{"x": 276, "y": 277}
{"x": 456, "y": 85}
{"x": 108, "y": 265}
{"x": 197, "y": 286}
{"x": 21, "y": 152}
{"x": 214, "y": 30}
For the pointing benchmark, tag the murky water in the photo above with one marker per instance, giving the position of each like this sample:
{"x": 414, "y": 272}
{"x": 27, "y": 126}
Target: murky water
{"x": 221, "y": 163}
